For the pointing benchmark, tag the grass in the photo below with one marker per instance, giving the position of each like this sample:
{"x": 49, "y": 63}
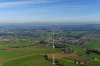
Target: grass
{"x": 37, "y": 60}
{"x": 82, "y": 52}
{"x": 66, "y": 62}
{"x": 93, "y": 44}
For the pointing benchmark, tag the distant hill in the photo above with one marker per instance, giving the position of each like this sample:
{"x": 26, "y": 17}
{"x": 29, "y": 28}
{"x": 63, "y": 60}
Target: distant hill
{"x": 80, "y": 27}
{"x": 85, "y": 27}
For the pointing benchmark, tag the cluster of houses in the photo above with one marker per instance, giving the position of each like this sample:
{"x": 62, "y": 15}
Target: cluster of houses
{"x": 6, "y": 38}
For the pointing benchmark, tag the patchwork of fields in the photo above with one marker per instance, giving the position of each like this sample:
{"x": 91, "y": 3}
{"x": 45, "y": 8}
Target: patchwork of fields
{"x": 24, "y": 57}
{"x": 70, "y": 50}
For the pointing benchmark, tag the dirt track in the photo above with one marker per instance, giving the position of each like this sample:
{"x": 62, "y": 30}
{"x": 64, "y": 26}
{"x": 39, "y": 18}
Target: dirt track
{"x": 15, "y": 58}
{"x": 73, "y": 56}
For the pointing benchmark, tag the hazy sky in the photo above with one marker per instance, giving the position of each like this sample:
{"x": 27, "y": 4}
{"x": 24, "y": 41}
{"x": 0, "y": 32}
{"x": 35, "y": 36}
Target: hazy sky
{"x": 49, "y": 11}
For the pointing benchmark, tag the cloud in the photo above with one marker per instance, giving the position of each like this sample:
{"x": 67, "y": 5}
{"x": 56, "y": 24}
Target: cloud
{"x": 21, "y": 2}
{"x": 4, "y": 4}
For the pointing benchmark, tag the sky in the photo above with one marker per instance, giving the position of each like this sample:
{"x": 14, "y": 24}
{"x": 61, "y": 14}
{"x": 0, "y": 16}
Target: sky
{"x": 68, "y": 11}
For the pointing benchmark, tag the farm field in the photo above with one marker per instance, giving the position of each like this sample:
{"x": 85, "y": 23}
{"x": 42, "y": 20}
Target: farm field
{"x": 24, "y": 56}
{"x": 71, "y": 49}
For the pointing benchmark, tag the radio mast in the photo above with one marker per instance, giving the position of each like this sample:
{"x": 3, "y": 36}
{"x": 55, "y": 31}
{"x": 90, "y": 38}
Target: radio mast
{"x": 53, "y": 47}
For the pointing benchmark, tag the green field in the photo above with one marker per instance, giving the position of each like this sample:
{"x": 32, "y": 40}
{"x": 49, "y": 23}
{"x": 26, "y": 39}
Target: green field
{"x": 36, "y": 60}
{"x": 27, "y": 51}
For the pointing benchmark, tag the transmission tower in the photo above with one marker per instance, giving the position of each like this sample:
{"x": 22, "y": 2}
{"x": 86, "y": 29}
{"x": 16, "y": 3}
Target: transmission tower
{"x": 53, "y": 56}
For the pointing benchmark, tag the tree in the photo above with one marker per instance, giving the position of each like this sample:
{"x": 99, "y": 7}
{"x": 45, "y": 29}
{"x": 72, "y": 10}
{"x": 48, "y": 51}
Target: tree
{"x": 42, "y": 42}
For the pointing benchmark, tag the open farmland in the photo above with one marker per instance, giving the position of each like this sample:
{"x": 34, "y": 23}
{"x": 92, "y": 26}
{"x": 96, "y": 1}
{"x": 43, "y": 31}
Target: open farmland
{"x": 34, "y": 47}
{"x": 49, "y": 32}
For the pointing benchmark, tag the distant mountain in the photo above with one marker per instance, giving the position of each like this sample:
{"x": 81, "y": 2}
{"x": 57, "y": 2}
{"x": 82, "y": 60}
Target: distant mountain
{"x": 85, "y": 27}
{"x": 44, "y": 26}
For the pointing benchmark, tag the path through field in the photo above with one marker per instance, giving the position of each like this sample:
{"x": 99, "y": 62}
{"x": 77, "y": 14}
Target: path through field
{"x": 15, "y": 58}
